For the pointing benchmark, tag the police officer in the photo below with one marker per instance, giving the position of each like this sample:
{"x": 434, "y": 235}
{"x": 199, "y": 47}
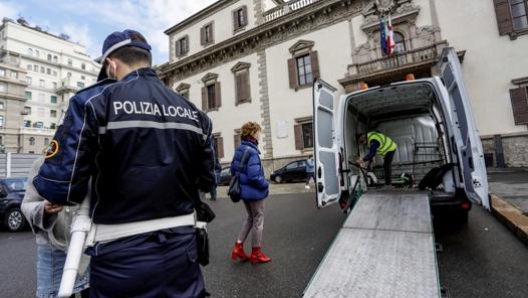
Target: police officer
{"x": 381, "y": 145}
{"x": 149, "y": 152}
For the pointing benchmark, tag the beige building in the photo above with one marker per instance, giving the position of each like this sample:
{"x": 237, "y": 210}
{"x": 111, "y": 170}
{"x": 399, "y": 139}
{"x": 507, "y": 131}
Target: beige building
{"x": 242, "y": 60}
{"x": 52, "y": 69}
{"x": 12, "y": 99}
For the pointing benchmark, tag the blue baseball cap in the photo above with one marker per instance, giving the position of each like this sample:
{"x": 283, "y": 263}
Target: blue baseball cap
{"x": 118, "y": 40}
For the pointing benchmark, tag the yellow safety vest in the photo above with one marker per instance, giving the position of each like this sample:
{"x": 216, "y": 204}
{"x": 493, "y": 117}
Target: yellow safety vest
{"x": 386, "y": 144}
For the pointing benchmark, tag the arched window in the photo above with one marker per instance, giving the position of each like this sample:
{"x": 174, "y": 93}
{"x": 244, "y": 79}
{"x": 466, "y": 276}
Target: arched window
{"x": 31, "y": 141}
{"x": 30, "y": 52}
{"x": 400, "y": 43}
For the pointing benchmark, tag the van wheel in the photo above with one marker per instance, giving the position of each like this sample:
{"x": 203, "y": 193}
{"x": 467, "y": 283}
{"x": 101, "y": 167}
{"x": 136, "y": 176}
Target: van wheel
{"x": 15, "y": 220}
{"x": 278, "y": 179}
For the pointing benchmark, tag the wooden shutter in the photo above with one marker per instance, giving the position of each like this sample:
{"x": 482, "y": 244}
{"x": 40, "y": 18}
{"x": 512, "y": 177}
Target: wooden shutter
{"x": 519, "y": 100}
{"x": 211, "y": 33}
{"x": 504, "y": 17}
{"x": 246, "y": 91}
{"x": 314, "y": 60}
{"x": 244, "y": 16}
{"x": 238, "y": 88}
{"x": 186, "y": 50}
{"x": 204, "y": 99}
{"x": 298, "y": 137}
{"x": 237, "y": 140}
{"x": 178, "y": 48}
{"x": 218, "y": 95}
{"x": 292, "y": 73}
{"x": 202, "y": 36}
{"x": 220, "y": 146}
{"x": 236, "y": 25}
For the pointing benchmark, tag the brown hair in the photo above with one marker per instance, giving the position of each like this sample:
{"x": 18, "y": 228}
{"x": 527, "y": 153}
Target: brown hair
{"x": 249, "y": 128}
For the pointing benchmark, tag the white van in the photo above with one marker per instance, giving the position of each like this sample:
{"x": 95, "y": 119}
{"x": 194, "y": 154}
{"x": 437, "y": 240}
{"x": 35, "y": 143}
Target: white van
{"x": 431, "y": 121}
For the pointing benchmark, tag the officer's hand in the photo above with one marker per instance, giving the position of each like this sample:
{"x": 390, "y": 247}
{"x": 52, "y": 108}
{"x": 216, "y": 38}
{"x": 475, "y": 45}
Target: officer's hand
{"x": 360, "y": 162}
{"x": 50, "y": 208}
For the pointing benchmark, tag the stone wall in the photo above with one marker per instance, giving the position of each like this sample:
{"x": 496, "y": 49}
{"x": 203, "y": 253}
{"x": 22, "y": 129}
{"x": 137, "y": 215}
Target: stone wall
{"x": 515, "y": 150}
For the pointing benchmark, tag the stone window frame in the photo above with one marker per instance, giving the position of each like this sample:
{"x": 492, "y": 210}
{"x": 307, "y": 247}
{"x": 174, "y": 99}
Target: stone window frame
{"x": 299, "y": 134}
{"x": 240, "y": 18}
{"x": 210, "y": 80}
{"x": 519, "y": 101}
{"x": 505, "y": 19}
{"x": 298, "y": 50}
{"x": 181, "y": 46}
{"x": 237, "y": 140}
{"x": 241, "y": 76}
{"x": 205, "y": 37}
{"x": 183, "y": 89}
{"x": 218, "y": 144}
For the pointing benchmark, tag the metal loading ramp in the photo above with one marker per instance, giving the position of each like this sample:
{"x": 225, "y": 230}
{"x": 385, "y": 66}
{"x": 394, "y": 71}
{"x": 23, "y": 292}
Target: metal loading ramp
{"x": 385, "y": 249}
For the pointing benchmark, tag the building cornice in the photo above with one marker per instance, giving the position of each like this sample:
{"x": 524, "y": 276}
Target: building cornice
{"x": 198, "y": 17}
{"x": 318, "y": 15}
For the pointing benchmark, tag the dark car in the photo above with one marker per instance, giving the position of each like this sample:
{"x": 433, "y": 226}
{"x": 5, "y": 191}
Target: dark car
{"x": 12, "y": 192}
{"x": 225, "y": 176}
{"x": 294, "y": 171}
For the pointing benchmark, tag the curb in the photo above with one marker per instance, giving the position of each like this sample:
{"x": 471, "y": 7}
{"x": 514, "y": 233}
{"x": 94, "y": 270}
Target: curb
{"x": 511, "y": 216}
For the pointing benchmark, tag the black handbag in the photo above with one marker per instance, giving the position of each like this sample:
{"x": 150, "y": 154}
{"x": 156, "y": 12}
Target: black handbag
{"x": 234, "y": 190}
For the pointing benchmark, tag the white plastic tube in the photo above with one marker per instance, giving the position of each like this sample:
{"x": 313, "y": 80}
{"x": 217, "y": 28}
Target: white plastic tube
{"x": 80, "y": 228}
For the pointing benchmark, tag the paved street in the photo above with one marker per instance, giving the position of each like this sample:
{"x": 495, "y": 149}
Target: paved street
{"x": 482, "y": 259}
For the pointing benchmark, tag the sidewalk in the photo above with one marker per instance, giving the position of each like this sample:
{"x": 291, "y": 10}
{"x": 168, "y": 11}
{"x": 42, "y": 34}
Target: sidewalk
{"x": 508, "y": 188}
{"x": 509, "y": 198}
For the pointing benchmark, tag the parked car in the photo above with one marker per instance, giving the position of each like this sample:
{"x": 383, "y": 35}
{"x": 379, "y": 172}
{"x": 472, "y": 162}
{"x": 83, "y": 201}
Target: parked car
{"x": 225, "y": 176}
{"x": 12, "y": 192}
{"x": 294, "y": 171}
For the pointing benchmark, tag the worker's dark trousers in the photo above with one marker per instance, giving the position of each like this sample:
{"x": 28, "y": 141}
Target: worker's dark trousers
{"x": 159, "y": 264}
{"x": 387, "y": 166}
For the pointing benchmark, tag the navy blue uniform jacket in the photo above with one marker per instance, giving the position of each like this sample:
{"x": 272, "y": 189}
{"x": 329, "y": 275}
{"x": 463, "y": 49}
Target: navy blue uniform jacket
{"x": 147, "y": 149}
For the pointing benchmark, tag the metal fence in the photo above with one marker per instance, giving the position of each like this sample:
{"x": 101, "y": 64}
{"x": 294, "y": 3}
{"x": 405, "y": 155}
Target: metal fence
{"x": 16, "y": 164}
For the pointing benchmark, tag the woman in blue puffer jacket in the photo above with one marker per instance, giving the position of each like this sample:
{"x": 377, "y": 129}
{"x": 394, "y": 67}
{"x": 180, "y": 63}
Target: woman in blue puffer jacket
{"x": 254, "y": 189}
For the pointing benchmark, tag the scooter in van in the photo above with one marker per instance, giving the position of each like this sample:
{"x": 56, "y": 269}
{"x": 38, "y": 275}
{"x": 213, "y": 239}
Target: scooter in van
{"x": 432, "y": 122}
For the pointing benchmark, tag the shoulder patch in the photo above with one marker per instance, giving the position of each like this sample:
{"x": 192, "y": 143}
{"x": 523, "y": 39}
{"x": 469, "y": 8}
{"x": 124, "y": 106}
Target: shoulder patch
{"x": 52, "y": 149}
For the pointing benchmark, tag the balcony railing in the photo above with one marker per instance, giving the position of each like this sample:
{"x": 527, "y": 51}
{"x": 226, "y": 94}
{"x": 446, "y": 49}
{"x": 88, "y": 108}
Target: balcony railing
{"x": 38, "y": 131}
{"x": 279, "y": 11}
{"x": 66, "y": 85}
{"x": 427, "y": 54}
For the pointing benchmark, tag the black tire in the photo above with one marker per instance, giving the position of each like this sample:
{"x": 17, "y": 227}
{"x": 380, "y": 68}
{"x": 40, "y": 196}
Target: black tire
{"x": 15, "y": 220}
{"x": 278, "y": 179}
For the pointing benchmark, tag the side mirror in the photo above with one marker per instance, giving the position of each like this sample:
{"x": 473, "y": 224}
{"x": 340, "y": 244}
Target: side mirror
{"x": 3, "y": 192}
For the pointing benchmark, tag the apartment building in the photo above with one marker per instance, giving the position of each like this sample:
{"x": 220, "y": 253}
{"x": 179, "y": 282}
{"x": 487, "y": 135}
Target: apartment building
{"x": 256, "y": 60}
{"x": 54, "y": 68}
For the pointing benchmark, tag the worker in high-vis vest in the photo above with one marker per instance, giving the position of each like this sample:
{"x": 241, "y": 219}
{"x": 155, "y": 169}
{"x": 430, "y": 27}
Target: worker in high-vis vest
{"x": 381, "y": 145}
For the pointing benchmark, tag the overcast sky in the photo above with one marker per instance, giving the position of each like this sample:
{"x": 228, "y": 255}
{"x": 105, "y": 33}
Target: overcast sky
{"x": 88, "y": 22}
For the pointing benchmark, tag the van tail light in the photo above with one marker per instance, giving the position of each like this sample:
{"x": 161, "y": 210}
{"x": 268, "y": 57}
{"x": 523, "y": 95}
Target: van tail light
{"x": 465, "y": 205}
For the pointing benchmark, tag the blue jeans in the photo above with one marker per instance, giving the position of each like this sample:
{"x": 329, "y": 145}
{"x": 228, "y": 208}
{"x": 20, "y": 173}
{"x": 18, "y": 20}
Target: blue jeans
{"x": 50, "y": 262}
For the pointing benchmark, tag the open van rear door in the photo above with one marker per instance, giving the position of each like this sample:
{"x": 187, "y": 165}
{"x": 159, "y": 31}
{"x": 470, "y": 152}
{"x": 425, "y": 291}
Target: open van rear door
{"x": 467, "y": 140}
{"x": 326, "y": 149}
